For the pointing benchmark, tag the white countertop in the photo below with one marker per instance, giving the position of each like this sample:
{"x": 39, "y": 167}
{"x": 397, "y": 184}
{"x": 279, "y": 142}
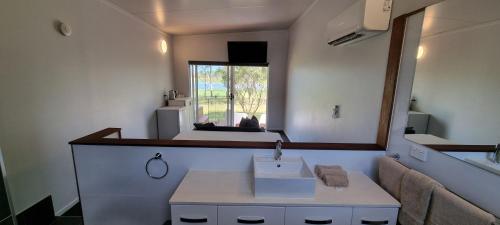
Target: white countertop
{"x": 166, "y": 108}
{"x": 236, "y": 188}
{"x": 428, "y": 139}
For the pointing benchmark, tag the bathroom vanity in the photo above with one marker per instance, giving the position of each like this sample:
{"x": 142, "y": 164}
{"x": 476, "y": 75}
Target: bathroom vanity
{"x": 227, "y": 198}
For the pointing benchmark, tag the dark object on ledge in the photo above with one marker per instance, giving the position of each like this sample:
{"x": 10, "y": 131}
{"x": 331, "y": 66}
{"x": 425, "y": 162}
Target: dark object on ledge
{"x": 232, "y": 129}
{"x": 203, "y": 125}
{"x": 243, "y": 122}
{"x": 254, "y": 122}
{"x": 249, "y": 123}
{"x": 409, "y": 130}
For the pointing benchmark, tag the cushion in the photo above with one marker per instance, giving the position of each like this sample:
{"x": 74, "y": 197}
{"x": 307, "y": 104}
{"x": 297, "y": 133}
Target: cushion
{"x": 234, "y": 129}
{"x": 243, "y": 122}
{"x": 253, "y": 123}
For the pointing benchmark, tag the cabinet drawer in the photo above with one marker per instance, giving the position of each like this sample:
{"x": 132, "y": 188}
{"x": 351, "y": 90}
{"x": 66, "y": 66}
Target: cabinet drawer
{"x": 374, "y": 216}
{"x": 238, "y": 215}
{"x": 318, "y": 215}
{"x": 194, "y": 214}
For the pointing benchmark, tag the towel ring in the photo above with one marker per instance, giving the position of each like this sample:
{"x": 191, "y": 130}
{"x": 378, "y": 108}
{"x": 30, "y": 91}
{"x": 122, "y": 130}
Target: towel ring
{"x": 157, "y": 156}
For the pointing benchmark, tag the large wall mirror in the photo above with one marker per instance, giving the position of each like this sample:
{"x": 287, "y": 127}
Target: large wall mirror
{"x": 455, "y": 99}
{"x": 239, "y": 102}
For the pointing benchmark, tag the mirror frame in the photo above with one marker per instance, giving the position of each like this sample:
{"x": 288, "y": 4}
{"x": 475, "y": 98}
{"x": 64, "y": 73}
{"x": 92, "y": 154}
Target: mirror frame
{"x": 392, "y": 73}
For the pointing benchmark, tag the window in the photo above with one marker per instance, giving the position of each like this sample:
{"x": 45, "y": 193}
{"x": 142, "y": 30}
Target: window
{"x": 224, "y": 94}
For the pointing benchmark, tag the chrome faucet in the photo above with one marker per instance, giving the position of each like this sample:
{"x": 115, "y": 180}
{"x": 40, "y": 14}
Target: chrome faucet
{"x": 277, "y": 152}
{"x": 497, "y": 154}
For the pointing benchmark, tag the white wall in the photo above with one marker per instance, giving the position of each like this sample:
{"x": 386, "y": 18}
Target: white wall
{"x": 116, "y": 190}
{"x": 456, "y": 81}
{"x": 213, "y": 47}
{"x": 321, "y": 76}
{"x": 54, "y": 89}
{"x": 475, "y": 185}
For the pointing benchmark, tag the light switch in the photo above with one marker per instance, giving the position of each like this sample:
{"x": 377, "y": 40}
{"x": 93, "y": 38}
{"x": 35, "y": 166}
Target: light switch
{"x": 387, "y": 5}
{"x": 418, "y": 153}
{"x": 336, "y": 112}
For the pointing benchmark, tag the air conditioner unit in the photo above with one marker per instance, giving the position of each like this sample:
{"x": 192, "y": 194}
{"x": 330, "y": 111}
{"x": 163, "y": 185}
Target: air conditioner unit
{"x": 362, "y": 20}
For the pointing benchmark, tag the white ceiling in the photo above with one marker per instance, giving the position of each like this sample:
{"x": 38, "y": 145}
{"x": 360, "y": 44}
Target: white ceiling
{"x": 452, "y": 15}
{"x": 214, "y": 16}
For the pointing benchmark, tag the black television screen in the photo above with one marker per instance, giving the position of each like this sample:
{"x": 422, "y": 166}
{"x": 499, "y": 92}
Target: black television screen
{"x": 247, "y": 51}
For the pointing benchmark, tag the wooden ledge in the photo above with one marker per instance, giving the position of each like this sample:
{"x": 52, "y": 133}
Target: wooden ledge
{"x": 99, "y": 135}
{"x": 463, "y": 148}
{"x": 97, "y": 138}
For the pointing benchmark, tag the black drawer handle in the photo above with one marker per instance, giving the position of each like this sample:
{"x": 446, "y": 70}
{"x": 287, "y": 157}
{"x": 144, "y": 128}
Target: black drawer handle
{"x": 375, "y": 222}
{"x": 250, "y": 221}
{"x": 328, "y": 221}
{"x": 193, "y": 220}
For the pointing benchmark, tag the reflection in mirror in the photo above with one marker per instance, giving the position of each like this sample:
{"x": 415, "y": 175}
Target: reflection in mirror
{"x": 455, "y": 95}
{"x": 228, "y": 103}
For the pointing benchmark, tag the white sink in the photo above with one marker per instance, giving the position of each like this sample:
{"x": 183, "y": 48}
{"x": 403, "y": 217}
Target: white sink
{"x": 290, "y": 177}
{"x": 485, "y": 164}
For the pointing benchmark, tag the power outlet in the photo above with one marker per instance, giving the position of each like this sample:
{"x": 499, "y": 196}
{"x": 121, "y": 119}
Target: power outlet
{"x": 418, "y": 153}
{"x": 387, "y": 5}
{"x": 336, "y": 112}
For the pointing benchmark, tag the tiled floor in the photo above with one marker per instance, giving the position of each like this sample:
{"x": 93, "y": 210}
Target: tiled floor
{"x": 74, "y": 217}
{"x": 76, "y": 210}
{"x": 68, "y": 221}
{"x": 71, "y": 217}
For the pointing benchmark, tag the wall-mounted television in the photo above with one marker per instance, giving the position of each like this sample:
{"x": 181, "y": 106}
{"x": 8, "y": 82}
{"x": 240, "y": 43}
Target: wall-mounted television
{"x": 247, "y": 51}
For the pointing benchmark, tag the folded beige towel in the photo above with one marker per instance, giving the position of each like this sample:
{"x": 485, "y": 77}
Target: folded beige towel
{"x": 332, "y": 175}
{"x": 324, "y": 172}
{"x": 319, "y": 168}
{"x": 449, "y": 209}
{"x": 336, "y": 180}
{"x": 416, "y": 192}
{"x": 390, "y": 174}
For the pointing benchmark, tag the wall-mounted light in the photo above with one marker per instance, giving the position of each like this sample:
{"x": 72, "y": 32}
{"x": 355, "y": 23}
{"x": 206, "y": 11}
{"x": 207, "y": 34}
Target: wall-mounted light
{"x": 421, "y": 52}
{"x": 65, "y": 29}
{"x": 163, "y": 46}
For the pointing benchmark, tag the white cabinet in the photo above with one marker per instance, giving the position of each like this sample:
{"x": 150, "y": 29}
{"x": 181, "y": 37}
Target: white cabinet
{"x": 318, "y": 215}
{"x": 419, "y": 121}
{"x": 172, "y": 120}
{"x": 269, "y": 215}
{"x": 265, "y": 215}
{"x": 194, "y": 214}
{"x": 374, "y": 216}
{"x": 186, "y": 102}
